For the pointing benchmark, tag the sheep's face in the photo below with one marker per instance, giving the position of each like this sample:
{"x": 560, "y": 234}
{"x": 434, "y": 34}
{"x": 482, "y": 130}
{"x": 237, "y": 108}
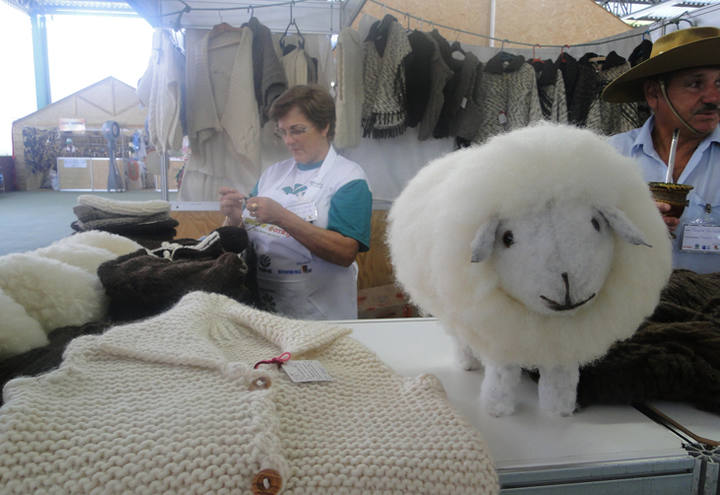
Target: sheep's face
{"x": 554, "y": 260}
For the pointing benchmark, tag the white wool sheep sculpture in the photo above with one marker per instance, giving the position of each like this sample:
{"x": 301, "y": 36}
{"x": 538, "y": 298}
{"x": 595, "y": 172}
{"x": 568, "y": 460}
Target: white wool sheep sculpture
{"x": 538, "y": 249}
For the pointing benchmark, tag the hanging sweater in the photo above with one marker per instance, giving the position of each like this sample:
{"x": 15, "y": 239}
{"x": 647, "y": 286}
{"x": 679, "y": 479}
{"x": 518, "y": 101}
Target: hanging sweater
{"x": 173, "y": 404}
{"x": 509, "y": 95}
{"x": 350, "y": 93}
{"x": 383, "y": 111}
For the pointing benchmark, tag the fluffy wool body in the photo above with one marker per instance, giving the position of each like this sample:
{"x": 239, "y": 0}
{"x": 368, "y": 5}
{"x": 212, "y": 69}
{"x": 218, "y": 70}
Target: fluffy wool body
{"x": 551, "y": 174}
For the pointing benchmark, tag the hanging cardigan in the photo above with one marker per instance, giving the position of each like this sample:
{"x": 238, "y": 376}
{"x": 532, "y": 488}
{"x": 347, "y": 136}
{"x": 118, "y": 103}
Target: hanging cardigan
{"x": 450, "y": 91}
{"x": 468, "y": 107}
{"x": 418, "y": 76}
{"x": 383, "y": 112}
{"x": 224, "y": 127}
{"x": 350, "y": 93}
{"x": 160, "y": 91}
{"x": 440, "y": 74}
{"x": 509, "y": 95}
{"x": 173, "y": 404}
{"x": 268, "y": 75}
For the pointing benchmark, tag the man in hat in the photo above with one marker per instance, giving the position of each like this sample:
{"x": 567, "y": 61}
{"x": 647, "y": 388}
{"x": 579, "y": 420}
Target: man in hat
{"x": 681, "y": 84}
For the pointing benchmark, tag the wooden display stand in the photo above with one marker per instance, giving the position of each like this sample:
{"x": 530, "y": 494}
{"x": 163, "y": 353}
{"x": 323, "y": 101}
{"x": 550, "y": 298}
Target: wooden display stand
{"x": 196, "y": 218}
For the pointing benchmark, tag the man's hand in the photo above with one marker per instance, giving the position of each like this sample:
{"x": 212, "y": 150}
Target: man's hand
{"x": 671, "y": 222}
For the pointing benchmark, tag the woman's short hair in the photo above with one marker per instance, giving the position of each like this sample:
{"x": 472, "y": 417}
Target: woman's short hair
{"x": 312, "y": 100}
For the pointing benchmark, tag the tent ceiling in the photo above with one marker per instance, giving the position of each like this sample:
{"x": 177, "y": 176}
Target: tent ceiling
{"x": 311, "y": 16}
{"x": 653, "y": 10}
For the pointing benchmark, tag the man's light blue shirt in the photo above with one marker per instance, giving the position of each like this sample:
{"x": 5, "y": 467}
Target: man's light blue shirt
{"x": 702, "y": 172}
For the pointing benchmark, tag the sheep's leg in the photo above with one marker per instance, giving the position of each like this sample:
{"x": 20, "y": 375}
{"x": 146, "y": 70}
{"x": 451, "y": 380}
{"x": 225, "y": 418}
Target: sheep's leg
{"x": 497, "y": 394}
{"x": 557, "y": 389}
{"x": 465, "y": 356}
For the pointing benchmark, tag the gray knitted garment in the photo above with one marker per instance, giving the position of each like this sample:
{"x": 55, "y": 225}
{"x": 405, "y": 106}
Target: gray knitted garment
{"x": 510, "y": 100}
{"x": 612, "y": 118}
{"x": 383, "y": 112}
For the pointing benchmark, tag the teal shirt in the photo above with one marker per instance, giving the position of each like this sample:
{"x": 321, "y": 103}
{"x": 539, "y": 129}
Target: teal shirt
{"x": 350, "y": 209}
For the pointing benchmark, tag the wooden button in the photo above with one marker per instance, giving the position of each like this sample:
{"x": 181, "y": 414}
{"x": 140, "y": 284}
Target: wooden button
{"x": 260, "y": 383}
{"x": 267, "y": 482}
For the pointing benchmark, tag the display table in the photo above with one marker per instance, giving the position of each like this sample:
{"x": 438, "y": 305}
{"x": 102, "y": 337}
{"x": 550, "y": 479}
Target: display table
{"x": 600, "y": 449}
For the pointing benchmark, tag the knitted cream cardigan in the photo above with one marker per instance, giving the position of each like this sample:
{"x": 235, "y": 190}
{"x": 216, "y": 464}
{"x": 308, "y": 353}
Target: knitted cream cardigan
{"x": 172, "y": 404}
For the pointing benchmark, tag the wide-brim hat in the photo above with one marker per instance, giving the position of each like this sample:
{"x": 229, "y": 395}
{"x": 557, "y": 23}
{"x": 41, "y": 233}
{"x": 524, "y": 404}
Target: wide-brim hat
{"x": 682, "y": 49}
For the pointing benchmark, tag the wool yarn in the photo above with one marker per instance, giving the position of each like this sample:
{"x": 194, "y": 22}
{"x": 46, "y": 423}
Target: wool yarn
{"x": 172, "y": 404}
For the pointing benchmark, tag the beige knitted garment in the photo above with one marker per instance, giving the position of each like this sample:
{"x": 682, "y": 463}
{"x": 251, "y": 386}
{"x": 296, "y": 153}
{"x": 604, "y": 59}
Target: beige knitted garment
{"x": 172, "y": 404}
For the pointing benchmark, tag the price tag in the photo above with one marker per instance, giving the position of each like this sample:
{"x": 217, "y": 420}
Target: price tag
{"x": 502, "y": 118}
{"x": 306, "y": 371}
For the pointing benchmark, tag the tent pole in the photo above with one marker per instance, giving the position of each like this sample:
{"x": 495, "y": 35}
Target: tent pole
{"x": 40, "y": 59}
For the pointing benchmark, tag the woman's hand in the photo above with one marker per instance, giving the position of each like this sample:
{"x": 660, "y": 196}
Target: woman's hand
{"x": 231, "y": 205}
{"x": 266, "y": 210}
{"x": 671, "y": 222}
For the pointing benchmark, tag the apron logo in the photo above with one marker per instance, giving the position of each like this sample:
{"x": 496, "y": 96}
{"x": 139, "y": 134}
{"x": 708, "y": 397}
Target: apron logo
{"x": 296, "y": 189}
{"x": 264, "y": 263}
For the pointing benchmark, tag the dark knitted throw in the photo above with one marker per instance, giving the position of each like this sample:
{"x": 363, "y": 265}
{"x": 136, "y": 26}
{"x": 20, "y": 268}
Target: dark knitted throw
{"x": 674, "y": 355}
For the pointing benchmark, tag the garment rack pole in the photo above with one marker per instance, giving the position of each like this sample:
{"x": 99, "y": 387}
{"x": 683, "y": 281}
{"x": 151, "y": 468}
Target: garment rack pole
{"x": 164, "y": 162}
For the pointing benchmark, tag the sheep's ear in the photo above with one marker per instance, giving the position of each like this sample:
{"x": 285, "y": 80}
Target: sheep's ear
{"x": 484, "y": 240}
{"x": 622, "y": 225}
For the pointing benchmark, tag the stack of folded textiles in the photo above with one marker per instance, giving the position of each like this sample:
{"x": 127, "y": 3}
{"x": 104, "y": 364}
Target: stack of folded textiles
{"x": 146, "y": 222}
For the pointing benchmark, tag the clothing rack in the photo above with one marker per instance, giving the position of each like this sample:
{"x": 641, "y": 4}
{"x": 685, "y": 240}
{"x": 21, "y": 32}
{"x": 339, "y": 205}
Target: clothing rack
{"x": 421, "y": 20}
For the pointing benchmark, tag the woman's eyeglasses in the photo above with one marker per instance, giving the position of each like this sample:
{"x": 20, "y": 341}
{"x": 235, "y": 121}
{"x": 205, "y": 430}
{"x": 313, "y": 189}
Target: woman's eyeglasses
{"x": 294, "y": 131}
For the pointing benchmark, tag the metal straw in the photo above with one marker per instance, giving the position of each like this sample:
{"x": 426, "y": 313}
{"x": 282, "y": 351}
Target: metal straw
{"x": 671, "y": 157}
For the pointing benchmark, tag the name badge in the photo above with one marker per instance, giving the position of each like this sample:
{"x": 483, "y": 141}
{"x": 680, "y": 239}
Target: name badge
{"x": 305, "y": 210}
{"x": 701, "y": 239}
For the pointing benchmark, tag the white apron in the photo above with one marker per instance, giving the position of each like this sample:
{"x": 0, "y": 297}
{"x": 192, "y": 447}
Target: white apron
{"x": 291, "y": 280}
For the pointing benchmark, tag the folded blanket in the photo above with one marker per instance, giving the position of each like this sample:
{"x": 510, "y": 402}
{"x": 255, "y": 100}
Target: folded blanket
{"x": 674, "y": 355}
{"x": 159, "y": 221}
{"x": 129, "y": 208}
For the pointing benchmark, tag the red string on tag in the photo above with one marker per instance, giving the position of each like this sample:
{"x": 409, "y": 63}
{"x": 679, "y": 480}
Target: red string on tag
{"x": 279, "y": 360}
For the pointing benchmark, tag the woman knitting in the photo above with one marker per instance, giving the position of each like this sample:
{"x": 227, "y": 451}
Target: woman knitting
{"x": 308, "y": 216}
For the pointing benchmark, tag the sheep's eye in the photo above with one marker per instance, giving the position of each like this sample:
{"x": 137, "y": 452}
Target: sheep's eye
{"x": 596, "y": 224}
{"x": 508, "y": 238}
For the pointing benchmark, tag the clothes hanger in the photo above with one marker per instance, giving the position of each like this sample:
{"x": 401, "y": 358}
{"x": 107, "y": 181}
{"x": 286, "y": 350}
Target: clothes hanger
{"x": 301, "y": 38}
{"x": 535, "y": 59}
{"x": 456, "y": 50}
{"x": 562, "y": 53}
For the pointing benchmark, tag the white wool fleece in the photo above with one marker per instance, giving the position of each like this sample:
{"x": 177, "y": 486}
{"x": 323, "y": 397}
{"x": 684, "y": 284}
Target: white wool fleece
{"x": 18, "y": 331}
{"x": 434, "y": 220}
